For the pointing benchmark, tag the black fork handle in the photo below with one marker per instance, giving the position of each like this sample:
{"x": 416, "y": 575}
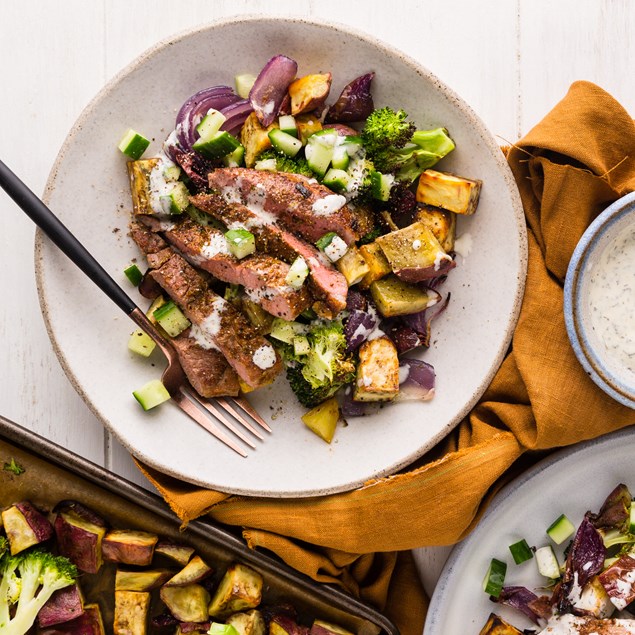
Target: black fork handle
{"x": 44, "y": 218}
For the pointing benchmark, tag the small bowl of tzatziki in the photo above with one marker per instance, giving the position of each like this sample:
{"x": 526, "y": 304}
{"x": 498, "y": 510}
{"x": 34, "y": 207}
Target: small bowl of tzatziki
{"x": 599, "y": 302}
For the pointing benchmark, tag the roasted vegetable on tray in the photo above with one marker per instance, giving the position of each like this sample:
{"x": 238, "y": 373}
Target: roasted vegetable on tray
{"x": 153, "y": 584}
{"x": 285, "y": 218}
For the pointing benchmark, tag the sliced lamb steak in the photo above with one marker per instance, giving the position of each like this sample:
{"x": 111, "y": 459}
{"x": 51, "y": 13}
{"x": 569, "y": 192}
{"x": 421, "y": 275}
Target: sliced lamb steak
{"x": 301, "y": 204}
{"x": 262, "y": 275}
{"x": 193, "y": 287}
{"x": 250, "y": 355}
{"x": 325, "y": 281}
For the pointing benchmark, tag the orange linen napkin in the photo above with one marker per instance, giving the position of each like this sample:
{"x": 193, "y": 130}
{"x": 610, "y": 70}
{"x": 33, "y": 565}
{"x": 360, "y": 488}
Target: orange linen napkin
{"x": 579, "y": 159}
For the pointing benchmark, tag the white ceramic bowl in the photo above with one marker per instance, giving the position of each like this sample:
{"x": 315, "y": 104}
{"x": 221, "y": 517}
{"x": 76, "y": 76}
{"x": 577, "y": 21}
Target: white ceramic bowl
{"x": 605, "y": 362}
{"x": 88, "y": 189}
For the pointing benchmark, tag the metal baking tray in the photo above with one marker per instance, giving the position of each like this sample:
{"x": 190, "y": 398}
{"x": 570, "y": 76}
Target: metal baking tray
{"x": 52, "y": 474}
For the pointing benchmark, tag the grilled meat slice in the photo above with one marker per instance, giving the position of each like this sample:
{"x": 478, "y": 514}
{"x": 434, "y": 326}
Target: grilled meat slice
{"x": 250, "y": 354}
{"x": 262, "y": 275}
{"x": 206, "y": 368}
{"x": 325, "y": 281}
{"x": 301, "y": 204}
{"x": 190, "y": 355}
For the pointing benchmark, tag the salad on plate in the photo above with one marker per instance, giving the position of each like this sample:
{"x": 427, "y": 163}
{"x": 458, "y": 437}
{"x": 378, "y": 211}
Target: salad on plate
{"x": 288, "y": 232}
{"x": 585, "y": 576}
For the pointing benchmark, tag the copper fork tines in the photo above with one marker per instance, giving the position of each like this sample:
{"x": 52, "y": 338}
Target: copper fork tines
{"x": 227, "y": 411}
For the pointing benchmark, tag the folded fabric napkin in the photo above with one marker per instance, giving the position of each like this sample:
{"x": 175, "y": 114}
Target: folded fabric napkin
{"x": 578, "y": 160}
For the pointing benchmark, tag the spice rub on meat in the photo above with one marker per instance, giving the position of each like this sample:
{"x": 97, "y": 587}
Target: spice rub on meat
{"x": 302, "y": 205}
{"x": 325, "y": 282}
{"x": 220, "y": 327}
{"x": 262, "y": 276}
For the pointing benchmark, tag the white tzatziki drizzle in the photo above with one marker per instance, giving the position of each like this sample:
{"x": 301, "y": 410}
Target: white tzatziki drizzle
{"x": 612, "y": 298}
{"x": 463, "y": 245}
{"x": 158, "y": 185}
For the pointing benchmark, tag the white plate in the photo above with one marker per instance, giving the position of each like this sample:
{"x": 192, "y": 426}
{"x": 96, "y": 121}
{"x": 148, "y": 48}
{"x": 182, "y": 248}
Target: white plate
{"x": 570, "y": 482}
{"x": 88, "y": 189}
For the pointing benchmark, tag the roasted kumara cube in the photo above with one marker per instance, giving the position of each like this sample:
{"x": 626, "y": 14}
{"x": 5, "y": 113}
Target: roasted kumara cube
{"x": 378, "y": 266}
{"x": 441, "y": 222}
{"x": 321, "y": 627}
{"x": 139, "y": 174}
{"x": 396, "y": 297}
{"x": 175, "y": 551}
{"x": 255, "y": 138}
{"x": 240, "y": 589}
{"x": 129, "y": 547}
{"x": 377, "y": 372}
{"x": 451, "y": 192}
{"x": 88, "y": 623}
{"x": 25, "y": 526}
{"x": 495, "y": 625}
{"x": 248, "y": 623}
{"x": 194, "y": 571}
{"x": 63, "y": 606}
{"x": 131, "y": 613}
{"x": 323, "y": 419}
{"x": 414, "y": 253}
{"x": 307, "y": 125}
{"x": 187, "y": 603}
{"x": 309, "y": 92}
{"x": 145, "y": 580}
{"x": 353, "y": 266}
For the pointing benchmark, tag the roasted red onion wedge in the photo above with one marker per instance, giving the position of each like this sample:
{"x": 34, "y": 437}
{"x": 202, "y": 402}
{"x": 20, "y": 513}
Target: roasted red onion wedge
{"x": 416, "y": 380}
{"x": 359, "y": 326}
{"x": 196, "y": 107}
{"x": 355, "y": 103}
{"x": 236, "y": 114}
{"x": 270, "y": 88}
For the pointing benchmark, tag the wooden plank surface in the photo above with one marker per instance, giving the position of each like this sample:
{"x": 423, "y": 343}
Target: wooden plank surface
{"x": 510, "y": 59}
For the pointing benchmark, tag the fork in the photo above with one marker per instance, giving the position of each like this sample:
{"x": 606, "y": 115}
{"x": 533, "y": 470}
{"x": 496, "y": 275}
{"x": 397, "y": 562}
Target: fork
{"x": 207, "y": 413}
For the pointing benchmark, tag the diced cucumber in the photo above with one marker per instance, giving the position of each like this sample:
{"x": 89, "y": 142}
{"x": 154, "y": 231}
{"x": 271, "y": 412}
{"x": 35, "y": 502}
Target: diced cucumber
{"x": 380, "y": 185}
{"x": 141, "y": 343}
{"x": 287, "y": 124}
{"x": 152, "y": 394}
{"x": 177, "y": 201}
{"x": 336, "y": 180}
{"x": 219, "y": 145}
{"x": 547, "y": 562}
{"x": 319, "y": 151}
{"x": 353, "y": 145}
{"x": 236, "y": 158}
{"x": 495, "y": 578}
{"x": 244, "y": 82}
{"x": 286, "y": 331}
{"x": 323, "y": 242}
{"x": 133, "y": 144}
{"x": 221, "y": 629}
{"x": 340, "y": 159}
{"x": 521, "y": 551}
{"x": 133, "y": 273}
{"x": 560, "y": 529}
{"x": 268, "y": 165}
{"x": 631, "y": 524}
{"x": 297, "y": 273}
{"x": 171, "y": 172}
{"x": 171, "y": 319}
{"x": 301, "y": 345}
{"x": 336, "y": 249}
{"x": 210, "y": 124}
{"x": 284, "y": 142}
{"x": 241, "y": 242}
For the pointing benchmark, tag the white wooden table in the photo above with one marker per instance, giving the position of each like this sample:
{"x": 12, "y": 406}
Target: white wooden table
{"x": 512, "y": 60}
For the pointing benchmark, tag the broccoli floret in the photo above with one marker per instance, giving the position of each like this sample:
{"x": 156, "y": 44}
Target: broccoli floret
{"x": 297, "y": 165}
{"x": 27, "y": 582}
{"x": 386, "y": 130}
{"x": 395, "y": 146}
{"x": 327, "y": 367}
{"x": 4, "y": 545}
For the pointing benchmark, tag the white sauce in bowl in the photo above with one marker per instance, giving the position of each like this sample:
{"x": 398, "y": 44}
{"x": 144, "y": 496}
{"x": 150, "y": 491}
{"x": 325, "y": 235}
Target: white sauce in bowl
{"x": 611, "y": 293}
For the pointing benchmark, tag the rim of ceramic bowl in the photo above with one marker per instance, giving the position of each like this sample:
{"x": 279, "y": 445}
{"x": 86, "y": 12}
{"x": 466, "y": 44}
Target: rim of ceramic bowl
{"x": 489, "y": 143}
{"x": 587, "y": 354}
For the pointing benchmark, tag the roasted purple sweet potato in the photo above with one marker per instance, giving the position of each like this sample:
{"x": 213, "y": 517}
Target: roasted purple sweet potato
{"x": 194, "y": 571}
{"x": 63, "y": 606}
{"x": 129, "y": 547}
{"x": 25, "y": 526}
{"x": 175, "y": 551}
{"x": 240, "y": 588}
{"x": 131, "y": 613}
{"x": 89, "y": 623}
